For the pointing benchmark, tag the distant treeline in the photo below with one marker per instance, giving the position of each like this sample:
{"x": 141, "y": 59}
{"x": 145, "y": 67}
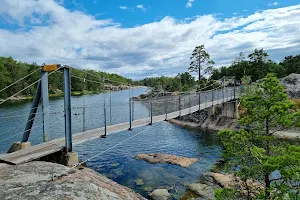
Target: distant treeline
{"x": 11, "y": 71}
{"x": 256, "y": 65}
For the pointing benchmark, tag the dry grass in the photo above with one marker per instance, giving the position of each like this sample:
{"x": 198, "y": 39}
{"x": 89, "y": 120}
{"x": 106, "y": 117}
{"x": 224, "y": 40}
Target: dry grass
{"x": 297, "y": 103}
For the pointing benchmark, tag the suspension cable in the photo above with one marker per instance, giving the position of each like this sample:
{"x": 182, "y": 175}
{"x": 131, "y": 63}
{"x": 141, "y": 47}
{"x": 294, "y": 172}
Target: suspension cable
{"x": 19, "y": 80}
{"x": 26, "y": 87}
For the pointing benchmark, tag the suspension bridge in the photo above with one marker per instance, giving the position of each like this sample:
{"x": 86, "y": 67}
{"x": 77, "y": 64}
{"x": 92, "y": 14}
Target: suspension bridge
{"x": 162, "y": 105}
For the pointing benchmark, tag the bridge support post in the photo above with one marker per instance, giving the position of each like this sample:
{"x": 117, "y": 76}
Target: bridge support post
{"x": 32, "y": 113}
{"x": 199, "y": 101}
{"x": 151, "y": 113}
{"x": 132, "y": 110}
{"x": 189, "y": 103}
{"x": 69, "y": 158}
{"x": 212, "y": 97}
{"x": 166, "y": 109}
{"x": 179, "y": 105}
{"x": 110, "y": 106}
{"x": 224, "y": 90}
{"x": 67, "y": 108}
{"x": 45, "y": 104}
{"x": 234, "y": 88}
{"x": 130, "y": 114}
{"x": 83, "y": 108}
{"x": 230, "y": 109}
{"x": 105, "y": 124}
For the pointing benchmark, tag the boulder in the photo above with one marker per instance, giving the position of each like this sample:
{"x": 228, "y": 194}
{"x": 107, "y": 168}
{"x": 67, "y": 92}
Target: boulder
{"x": 167, "y": 158}
{"x": 203, "y": 190}
{"x": 233, "y": 182}
{"x": 160, "y": 194}
{"x": 292, "y": 85}
{"x": 44, "y": 180}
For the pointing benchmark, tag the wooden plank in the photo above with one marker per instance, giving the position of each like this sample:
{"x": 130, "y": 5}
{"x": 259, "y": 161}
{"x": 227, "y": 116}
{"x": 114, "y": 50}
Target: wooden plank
{"x": 56, "y": 145}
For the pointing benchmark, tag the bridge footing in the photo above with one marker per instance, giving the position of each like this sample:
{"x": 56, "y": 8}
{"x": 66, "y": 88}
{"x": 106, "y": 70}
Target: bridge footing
{"x": 230, "y": 109}
{"x": 19, "y": 146}
{"x": 70, "y": 159}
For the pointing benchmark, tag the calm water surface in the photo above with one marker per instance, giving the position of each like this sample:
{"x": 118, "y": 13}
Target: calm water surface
{"x": 119, "y": 164}
{"x": 114, "y": 156}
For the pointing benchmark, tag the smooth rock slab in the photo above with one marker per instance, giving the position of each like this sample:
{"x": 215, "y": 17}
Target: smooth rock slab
{"x": 37, "y": 181}
{"x": 167, "y": 158}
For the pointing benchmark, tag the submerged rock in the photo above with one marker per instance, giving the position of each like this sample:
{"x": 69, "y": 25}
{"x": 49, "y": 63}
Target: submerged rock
{"x": 160, "y": 194}
{"x": 139, "y": 181}
{"x": 203, "y": 190}
{"x": 36, "y": 180}
{"x": 147, "y": 189}
{"x": 167, "y": 158}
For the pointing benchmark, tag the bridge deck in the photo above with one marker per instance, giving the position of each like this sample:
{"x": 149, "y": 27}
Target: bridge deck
{"x": 56, "y": 145}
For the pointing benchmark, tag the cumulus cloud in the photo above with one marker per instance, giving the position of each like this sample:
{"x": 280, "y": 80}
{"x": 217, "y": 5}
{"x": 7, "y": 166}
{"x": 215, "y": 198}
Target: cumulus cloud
{"x": 54, "y": 34}
{"x": 189, "y": 3}
{"x": 273, "y": 4}
{"x": 123, "y": 7}
{"x": 142, "y": 7}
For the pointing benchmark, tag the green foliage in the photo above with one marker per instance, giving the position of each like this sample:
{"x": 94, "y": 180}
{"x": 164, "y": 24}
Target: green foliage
{"x": 200, "y": 60}
{"x": 257, "y": 65}
{"x": 226, "y": 194}
{"x": 182, "y": 82}
{"x": 11, "y": 70}
{"x": 256, "y": 154}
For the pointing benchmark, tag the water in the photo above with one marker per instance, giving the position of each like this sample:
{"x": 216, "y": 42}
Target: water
{"x": 112, "y": 159}
{"x": 13, "y": 115}
{"x": 117, "y": 161}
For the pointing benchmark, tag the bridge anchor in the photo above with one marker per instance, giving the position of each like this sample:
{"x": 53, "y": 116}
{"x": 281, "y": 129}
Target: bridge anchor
{"x": 19, "y": 146}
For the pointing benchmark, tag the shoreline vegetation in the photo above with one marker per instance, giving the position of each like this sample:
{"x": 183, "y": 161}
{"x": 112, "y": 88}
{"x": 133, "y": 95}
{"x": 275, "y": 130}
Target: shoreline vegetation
{"x": 83, "y": 80}
{"x": 61, "y": 94}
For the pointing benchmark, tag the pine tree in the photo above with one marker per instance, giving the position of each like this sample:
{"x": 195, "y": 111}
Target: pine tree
{"x": 257, "y": 154}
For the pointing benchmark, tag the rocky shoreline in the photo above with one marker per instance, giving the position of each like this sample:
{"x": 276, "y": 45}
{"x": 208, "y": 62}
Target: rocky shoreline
{"x": 37, "y": 180}
{"x": 219, "y": 123}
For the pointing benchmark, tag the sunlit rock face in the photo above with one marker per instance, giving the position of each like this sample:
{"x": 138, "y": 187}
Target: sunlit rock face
{"x": 43, "y": 180}
{"x": 292, "y": 85}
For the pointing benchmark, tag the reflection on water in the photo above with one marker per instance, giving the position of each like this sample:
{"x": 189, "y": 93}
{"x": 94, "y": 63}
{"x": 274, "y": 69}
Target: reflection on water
{"x": 119, "y": 164}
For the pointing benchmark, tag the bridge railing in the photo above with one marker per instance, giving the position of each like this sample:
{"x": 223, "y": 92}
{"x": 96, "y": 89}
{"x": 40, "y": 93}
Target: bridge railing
{"x": 105, "y": 109}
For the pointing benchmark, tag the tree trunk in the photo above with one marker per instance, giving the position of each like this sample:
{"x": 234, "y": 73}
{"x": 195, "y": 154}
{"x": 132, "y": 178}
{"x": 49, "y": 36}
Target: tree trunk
{"x": 267, "y": 177}
{"x": 199, "y": 79}
{"x": 268, "y": 184}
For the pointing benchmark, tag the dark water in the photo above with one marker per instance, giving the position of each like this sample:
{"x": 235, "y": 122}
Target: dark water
{"x": 112, "y": 159}
{"x": 117, "y": 161}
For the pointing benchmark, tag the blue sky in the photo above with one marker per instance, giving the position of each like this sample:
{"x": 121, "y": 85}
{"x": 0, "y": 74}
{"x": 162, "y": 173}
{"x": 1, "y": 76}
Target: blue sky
{"x": 155, "y": 10}
{"x": 143, "y": 38}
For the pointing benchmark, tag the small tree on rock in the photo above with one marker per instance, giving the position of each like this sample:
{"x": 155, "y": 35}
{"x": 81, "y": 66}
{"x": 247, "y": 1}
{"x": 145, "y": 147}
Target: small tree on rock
{"x": 256, "y": 154}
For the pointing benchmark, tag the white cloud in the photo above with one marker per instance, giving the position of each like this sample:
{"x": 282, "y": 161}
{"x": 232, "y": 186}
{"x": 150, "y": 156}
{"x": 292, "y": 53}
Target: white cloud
{"x": 54, "y": 34}
{"x": 189, "y": 3}
{"x": 123, "y": 7}
{"x": 142, "y": 7}
{"x": 273, "y": 4}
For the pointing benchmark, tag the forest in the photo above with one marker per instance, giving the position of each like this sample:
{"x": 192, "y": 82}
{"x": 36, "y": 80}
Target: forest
{"x": 256, "y": 65}
{"x": 11, "y": 71}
